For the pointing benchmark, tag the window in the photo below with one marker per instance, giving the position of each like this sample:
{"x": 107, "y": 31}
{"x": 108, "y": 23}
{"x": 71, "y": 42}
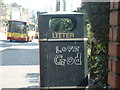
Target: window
{"x": 17, "y": 27}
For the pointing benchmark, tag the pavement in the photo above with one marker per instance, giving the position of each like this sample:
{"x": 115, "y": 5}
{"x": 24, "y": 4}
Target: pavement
{"x": 3, "y": 36}
{"x": 18, "y": 76}
{"x": 2, "y": 48}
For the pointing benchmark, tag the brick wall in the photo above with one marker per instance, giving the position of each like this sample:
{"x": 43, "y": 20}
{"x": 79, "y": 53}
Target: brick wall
{"x": 114, "y": 46}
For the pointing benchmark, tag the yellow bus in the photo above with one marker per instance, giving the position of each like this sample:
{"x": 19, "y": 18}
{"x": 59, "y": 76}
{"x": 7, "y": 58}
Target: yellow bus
{"x": 21, "y": 30}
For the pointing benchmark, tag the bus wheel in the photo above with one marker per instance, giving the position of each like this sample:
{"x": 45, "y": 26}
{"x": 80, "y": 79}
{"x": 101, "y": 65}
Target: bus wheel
{"x": 28, "y": 39}
{"x": 10, "y": 40}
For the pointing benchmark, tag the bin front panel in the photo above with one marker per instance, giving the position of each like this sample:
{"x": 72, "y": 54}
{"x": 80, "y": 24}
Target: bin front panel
{"x": 63, "y": 59}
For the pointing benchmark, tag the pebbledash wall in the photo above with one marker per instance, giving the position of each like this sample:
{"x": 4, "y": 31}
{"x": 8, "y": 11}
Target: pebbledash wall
{"x": 114, "y": 46}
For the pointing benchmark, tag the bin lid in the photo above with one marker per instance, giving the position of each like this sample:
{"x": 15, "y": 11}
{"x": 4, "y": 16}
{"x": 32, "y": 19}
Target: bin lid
{"x": 62, "y": 13}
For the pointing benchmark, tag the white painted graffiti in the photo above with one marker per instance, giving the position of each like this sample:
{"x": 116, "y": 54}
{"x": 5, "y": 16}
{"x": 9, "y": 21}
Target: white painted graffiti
{"x": 67, "y": 49}
{"x": 60, "y": 60}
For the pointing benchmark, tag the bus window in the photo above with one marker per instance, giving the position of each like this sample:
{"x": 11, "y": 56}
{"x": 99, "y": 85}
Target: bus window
{"x": 31, "y": 27}
{"x": 17, "y": 27}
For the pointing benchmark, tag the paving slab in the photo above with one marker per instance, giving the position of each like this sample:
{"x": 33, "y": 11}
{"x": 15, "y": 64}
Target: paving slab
{"x": 19, "y": 76}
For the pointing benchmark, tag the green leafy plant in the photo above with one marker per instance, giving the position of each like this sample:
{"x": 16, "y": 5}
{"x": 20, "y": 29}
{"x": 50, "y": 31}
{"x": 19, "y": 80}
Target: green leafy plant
{"x": 98, "y": 29}
{"x": 61, "y": 24}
